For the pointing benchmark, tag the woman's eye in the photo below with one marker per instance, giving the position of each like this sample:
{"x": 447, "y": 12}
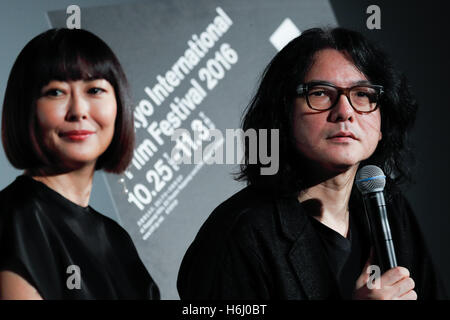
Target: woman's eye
{"x": 53, "y": 92}
{"x": 96, "y": 90}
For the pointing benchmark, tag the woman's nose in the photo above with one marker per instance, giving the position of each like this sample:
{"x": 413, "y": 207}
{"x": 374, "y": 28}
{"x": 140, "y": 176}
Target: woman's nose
{"x": 78, "y": 108}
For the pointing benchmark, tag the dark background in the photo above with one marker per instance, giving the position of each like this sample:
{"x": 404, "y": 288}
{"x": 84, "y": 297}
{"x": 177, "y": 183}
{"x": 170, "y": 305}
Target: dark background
{"x": 416, "y": 36}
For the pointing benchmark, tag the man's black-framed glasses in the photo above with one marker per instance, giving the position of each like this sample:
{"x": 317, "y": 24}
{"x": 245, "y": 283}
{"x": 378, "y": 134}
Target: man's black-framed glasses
{"x": 322, "y": 96}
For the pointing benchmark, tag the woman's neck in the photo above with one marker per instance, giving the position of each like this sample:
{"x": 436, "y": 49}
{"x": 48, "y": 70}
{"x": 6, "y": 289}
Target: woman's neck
{"x": 327, "y": 201}
{"x": 75, "y": 185}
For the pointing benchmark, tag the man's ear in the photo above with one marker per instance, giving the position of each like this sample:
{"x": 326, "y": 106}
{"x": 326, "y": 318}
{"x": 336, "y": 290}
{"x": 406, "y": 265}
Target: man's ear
{"x": 381, "y": 136}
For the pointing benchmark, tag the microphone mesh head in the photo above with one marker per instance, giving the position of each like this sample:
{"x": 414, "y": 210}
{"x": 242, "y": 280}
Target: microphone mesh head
{"x": 370, "y": 179}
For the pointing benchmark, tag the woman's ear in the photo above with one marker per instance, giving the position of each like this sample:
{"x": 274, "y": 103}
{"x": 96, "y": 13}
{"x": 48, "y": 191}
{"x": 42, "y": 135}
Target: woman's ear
{"x": 381, "y": 136}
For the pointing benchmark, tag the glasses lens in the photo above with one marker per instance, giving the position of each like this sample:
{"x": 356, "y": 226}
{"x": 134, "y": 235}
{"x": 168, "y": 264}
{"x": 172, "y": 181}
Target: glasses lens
{"x": 363, "y": 98}
{"x": 321, "y": 97}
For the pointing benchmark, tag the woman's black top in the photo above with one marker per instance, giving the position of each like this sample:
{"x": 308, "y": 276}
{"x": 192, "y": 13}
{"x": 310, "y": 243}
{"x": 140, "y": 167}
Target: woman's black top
{"x": 257, "y": 245}
{"x": 66, "y": 251}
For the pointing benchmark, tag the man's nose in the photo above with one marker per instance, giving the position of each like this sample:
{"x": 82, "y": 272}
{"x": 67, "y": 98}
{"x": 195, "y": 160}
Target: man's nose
{"x": 343, "y": 110}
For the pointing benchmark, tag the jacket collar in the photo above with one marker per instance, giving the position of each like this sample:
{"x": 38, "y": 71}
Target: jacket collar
{"x": 306, "y": 254}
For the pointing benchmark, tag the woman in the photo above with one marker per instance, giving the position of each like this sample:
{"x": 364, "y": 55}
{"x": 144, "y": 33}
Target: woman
{"x": 65, "y": 115}
{"x": 301, "y": 233}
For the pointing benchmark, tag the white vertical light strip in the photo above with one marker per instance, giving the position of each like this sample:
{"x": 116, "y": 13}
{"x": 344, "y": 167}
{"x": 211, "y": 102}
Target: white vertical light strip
{"x": 112, "y": 198}
{"x": 284, "y": 34}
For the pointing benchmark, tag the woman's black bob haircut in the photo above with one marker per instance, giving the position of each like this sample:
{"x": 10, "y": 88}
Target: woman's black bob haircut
{"x": 272, "y": 108}
{"x": 63, "y": 55}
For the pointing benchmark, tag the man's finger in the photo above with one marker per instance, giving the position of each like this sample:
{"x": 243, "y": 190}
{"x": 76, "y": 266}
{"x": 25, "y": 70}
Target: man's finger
{"x": 410, "y": 295}
{"x": 394, "y": 275}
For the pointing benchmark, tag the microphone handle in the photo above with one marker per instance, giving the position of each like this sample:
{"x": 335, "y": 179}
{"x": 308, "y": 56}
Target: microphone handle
{"x": 376, "y": 214}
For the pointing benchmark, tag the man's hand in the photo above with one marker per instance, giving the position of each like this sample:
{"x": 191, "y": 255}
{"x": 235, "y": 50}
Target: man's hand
{"x": 396, "y": 284}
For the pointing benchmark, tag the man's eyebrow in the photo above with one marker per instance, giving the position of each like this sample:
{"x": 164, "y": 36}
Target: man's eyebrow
{"x": 362, "y": 82}
{"x": 356, "y": 83}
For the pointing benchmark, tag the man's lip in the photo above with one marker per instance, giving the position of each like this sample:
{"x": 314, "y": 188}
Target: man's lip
{"x": 343, "y": 134}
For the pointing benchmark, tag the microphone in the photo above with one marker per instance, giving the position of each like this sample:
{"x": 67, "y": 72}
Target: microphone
{"x": 370, "y": 181}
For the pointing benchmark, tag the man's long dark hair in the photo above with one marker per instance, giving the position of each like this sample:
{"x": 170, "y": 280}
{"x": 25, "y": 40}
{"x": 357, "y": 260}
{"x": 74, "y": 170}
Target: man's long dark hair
{"x": 273, "y": 104}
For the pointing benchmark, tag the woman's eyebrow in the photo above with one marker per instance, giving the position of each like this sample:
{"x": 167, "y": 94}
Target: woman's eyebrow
{"x": 51, "y": 84}
{"x": 97, "y": 80}
{"x": 55, "y": 82}
{"x": 93, "y": 79}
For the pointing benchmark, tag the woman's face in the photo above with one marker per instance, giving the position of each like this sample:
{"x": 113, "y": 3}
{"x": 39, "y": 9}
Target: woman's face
{"x": 314, "y": 130}
{"x": 76, "y": 119}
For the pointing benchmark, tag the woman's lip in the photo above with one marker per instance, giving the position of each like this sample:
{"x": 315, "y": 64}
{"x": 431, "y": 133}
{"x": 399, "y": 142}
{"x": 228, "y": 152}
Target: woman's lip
{"x": 76, "y": 132}
{"x": 77, "y": 135}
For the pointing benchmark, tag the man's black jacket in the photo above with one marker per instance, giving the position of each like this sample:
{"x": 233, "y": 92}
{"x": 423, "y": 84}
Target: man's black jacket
{"x": 260, "y": 246}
